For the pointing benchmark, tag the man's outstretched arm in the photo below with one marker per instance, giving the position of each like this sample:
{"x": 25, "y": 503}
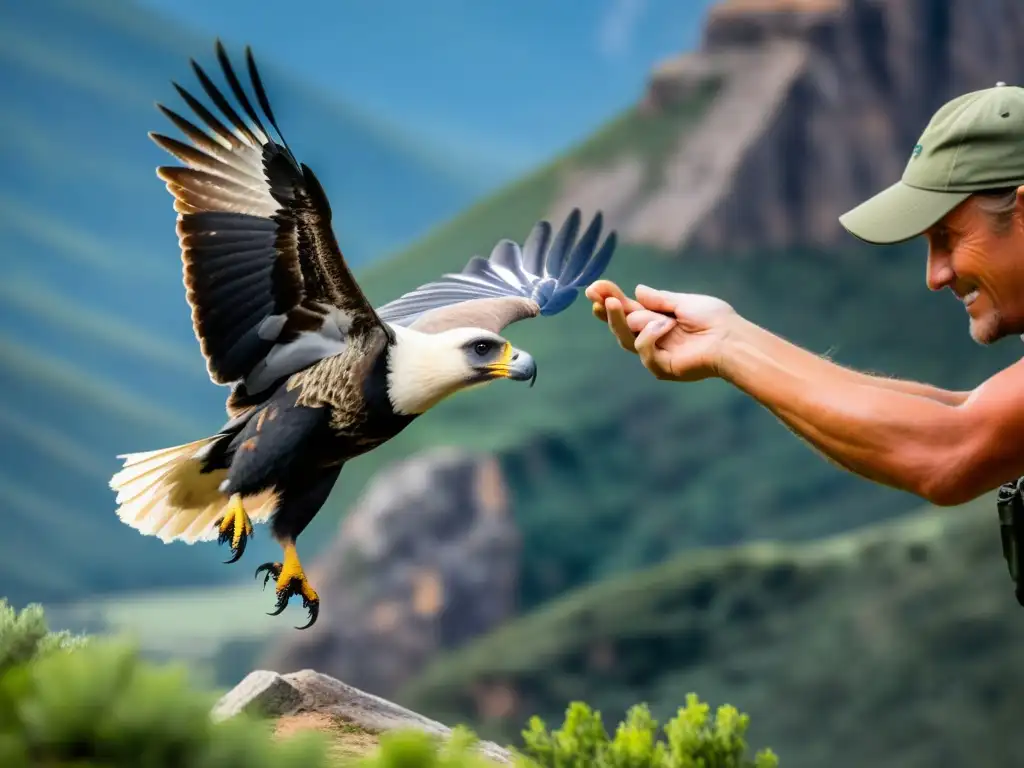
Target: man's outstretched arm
{"x": 789, "y": 355}
{"x": 945, "y": 452}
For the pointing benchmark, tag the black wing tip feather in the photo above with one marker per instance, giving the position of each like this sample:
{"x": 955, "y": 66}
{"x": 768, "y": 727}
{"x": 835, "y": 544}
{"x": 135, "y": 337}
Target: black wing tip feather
{"x": 256, "y": 82}
{"x": 223, "y": 104}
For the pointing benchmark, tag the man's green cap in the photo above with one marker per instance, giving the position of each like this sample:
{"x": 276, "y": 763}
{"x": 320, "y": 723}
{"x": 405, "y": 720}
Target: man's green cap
{"x": 974, "y": 142}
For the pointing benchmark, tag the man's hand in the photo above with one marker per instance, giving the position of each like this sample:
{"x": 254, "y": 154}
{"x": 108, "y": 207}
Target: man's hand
{"x": 678, "y": 336}
{"x": 612, "y": 306}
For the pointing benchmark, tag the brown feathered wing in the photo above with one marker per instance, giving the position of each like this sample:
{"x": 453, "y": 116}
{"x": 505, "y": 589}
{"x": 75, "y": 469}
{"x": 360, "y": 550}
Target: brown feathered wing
{"x": 268, "y": 285}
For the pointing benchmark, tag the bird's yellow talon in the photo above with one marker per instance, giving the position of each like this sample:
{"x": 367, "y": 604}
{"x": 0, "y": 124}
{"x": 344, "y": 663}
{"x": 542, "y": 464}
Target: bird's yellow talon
{"x": 291, "y": 580}
{"x": 235, "y": 528}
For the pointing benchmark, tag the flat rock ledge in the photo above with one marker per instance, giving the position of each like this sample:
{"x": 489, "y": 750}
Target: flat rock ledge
{"x": 270, "y": 694}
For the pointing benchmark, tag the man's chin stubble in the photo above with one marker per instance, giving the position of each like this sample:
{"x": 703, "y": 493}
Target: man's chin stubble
{"x": 989, "y": 331}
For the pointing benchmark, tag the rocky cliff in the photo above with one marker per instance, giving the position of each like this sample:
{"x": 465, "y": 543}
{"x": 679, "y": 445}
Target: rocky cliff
{"x": 819, "y": 104}
{"x": 427, "y": 560}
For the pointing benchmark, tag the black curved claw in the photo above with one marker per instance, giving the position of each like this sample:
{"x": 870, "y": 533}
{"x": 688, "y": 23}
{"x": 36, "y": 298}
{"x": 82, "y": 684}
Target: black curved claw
{"x": 282, "y": 601}
{"x": 236, "y": 552}
{"x": 272, "y": 569}
{"x": 314, "y": 611}
{"x": 283, "y": 595}
{"x": 225, "y": 537}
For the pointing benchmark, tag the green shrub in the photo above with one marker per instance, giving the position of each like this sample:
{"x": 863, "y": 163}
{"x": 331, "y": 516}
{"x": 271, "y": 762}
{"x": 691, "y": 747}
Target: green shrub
{"x": 25, "y": 635}
{"x": 691, "y": 740}
{"x": 101, "y": 705}
{"x": 416, "y": 749}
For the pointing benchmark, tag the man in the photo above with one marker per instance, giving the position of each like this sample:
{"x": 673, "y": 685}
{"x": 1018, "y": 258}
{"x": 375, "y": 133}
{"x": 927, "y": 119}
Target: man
{"x": 962, "y": 190}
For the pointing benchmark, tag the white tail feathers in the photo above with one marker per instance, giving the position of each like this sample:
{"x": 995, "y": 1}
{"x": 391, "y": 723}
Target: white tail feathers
{"x": 162, "y": 493}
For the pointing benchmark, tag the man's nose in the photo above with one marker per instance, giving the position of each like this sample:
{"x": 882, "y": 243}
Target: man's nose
{"x": 939, "y": 272}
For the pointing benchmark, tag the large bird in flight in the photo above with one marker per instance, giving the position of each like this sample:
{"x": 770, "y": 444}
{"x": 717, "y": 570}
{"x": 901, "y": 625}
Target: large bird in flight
{"x": 318, "y": 376}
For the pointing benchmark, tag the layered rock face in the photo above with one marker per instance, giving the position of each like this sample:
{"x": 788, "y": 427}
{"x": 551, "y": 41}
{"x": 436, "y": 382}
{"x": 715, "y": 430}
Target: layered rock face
{"x": 820, "y": 104}
{"x": 428, "y": 559}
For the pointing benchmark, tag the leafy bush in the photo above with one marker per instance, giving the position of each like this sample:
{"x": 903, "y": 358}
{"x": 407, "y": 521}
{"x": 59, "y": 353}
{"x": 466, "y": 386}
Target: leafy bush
{"x": 416, "y": 749}
{"x": 25, "y": 635}
{"x": 102, "y": 705}
{"x": 692, "y": 740}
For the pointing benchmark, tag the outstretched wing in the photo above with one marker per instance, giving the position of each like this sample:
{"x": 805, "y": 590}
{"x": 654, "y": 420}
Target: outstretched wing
{"x": 269, "y": 288}
{"x": 543, "y": 277}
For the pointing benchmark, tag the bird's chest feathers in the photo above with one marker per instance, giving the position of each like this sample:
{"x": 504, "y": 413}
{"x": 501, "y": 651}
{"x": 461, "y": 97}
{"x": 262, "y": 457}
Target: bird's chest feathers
{"x": 353, "y": 387}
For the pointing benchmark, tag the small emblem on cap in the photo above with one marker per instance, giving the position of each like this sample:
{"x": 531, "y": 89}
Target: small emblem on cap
{"x": 917, "y": 151}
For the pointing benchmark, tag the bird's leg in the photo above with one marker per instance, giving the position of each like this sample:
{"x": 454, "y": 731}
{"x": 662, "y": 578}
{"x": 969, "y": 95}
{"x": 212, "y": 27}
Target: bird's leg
{"x": 291, "y": 580}
{"x": 234, "y": 528}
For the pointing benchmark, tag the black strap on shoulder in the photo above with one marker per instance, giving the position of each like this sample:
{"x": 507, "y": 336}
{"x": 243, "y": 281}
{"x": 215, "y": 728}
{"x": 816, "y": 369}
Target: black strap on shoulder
{"x": 1010, "y": 505}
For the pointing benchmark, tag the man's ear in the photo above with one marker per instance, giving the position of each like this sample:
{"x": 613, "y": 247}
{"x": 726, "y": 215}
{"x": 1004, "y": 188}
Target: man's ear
{"x": 1018, "y": 212}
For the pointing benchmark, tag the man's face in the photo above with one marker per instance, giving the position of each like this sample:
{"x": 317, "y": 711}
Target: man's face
{"x": 983, "y": 267}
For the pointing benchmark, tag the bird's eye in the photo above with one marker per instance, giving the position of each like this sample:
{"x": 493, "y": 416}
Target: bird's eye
{"x": 482, "y": 347}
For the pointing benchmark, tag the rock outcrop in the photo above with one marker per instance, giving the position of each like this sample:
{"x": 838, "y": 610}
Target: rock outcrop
{"x": 268, "y": 694}
{"x": 426, "y": 560}
{"x": 819, "y": 105}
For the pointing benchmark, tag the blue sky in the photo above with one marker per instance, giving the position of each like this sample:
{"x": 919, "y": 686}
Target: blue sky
{"x": 507, "y": 82}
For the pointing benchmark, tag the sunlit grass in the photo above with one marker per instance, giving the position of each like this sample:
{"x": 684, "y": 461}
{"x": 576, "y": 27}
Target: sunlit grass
{"x": 180, "y": 622}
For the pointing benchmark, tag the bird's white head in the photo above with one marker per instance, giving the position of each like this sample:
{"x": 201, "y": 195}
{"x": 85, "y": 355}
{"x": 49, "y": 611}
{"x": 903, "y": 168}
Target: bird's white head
{"x": 425, "y": 368}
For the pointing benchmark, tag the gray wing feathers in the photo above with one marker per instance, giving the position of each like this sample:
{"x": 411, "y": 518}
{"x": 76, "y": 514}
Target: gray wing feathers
{"x": 490, "y": 314}
{"x": 543, "y": 277}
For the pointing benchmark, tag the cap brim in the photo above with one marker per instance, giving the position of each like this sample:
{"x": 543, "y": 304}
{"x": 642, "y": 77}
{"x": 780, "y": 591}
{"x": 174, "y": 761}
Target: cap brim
{"x": 899, "y": 213}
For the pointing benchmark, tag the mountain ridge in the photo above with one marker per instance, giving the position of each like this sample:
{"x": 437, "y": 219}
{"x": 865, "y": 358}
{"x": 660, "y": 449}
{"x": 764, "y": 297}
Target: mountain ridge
{"x": 824, "y": 102}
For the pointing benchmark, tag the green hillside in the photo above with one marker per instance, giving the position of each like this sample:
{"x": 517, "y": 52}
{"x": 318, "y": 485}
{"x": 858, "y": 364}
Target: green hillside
{"x": 897, "y": 645}
{"x": 612, "y": 470}
{"x": 209, "y": 618}
{"x": 97, "y": 355}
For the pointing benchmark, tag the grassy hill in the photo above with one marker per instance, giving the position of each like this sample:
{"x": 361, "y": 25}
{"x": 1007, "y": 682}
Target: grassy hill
{"x": 208, "y": 622}
{"x": 97, "y": 355}
{"x": 612, "y": 470}
{"x": 896, "y": 645}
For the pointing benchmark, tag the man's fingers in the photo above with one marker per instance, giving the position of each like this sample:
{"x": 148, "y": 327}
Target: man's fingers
{"x": 640, "y": 319}
{"x": 617, "y": 324}
{"x": 648, "y": 337}
{"x": 602, "y": 290}
{"x": 646, "y": 343}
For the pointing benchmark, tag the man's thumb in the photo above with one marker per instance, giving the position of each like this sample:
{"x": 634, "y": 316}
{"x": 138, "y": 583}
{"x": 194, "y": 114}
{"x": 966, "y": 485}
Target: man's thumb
{"x": 655, "y": 300}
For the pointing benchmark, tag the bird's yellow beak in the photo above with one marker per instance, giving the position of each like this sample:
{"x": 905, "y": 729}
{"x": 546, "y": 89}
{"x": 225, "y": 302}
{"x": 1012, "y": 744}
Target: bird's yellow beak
{"x": 514, "y": 364}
